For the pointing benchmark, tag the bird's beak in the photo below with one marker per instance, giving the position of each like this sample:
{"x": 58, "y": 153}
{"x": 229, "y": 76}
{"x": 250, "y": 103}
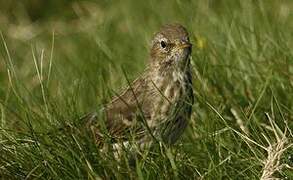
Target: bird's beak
{"x": 184, "y": 45}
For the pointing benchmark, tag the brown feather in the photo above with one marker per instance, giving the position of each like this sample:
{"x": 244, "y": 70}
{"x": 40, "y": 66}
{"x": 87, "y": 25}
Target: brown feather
{"x": 162, "y": 96}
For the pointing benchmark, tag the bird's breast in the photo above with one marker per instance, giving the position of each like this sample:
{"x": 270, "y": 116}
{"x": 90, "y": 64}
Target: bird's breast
{"x": 169, "y": 88}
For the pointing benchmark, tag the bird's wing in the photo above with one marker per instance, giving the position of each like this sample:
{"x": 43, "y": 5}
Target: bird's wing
{"x": 122, "y": 111}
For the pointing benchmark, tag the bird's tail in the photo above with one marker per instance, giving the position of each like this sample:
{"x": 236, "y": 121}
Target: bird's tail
{"x": 91, "y": 125}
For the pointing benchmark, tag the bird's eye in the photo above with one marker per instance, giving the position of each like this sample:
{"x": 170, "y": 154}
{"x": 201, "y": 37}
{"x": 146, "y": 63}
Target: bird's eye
{"x": 163, "y": 44}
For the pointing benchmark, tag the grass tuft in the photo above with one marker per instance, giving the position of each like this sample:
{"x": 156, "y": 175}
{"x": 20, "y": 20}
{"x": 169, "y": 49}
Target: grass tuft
{"x": 62, "y": 59}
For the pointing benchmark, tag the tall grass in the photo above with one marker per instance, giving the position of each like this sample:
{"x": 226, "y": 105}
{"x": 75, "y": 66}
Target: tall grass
{"x": 60, "y": 64}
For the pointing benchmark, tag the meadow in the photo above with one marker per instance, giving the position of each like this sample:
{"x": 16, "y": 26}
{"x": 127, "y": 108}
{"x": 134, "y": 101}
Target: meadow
{"x": 61, "y": 59}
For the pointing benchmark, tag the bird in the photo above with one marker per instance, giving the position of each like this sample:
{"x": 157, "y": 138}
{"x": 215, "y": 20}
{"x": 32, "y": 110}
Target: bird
{"x": 158, "y": 104}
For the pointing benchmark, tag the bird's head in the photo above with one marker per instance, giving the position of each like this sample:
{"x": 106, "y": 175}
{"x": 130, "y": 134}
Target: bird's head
{"x": 170, "y": 46}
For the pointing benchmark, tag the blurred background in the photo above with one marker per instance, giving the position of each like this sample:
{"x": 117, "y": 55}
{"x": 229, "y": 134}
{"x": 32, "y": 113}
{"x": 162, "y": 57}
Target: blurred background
{"x": 92, "y": 38}
{"x": 62, "y": 58}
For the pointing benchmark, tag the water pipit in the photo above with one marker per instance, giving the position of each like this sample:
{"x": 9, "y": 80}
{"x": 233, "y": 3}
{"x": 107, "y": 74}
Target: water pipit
{"x": 157, "y": 105}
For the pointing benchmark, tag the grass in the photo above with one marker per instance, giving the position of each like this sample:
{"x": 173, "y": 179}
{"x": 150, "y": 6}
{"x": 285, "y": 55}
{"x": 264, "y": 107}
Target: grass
{"x": 59, "y": 64}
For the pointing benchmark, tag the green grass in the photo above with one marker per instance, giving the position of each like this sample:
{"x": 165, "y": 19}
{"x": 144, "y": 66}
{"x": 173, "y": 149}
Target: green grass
{"x": 56, "y": 64}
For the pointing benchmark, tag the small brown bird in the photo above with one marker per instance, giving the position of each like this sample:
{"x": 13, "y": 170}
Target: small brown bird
{"x": 157, "y": 104}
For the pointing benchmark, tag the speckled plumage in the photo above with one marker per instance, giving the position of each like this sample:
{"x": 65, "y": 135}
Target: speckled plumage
{"x": 162, "y": 95}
